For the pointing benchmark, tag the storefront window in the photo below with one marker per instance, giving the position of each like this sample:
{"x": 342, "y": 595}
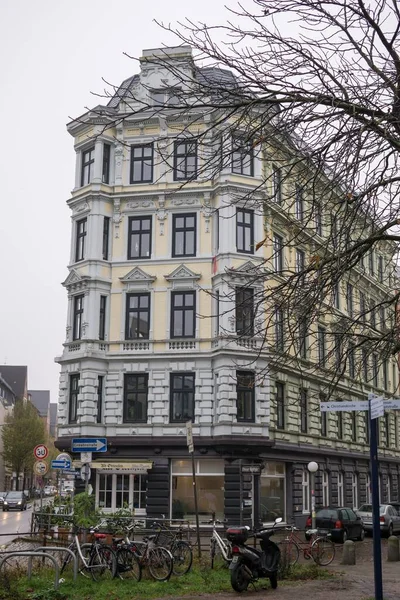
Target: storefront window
{"x": 117, "y": 490}
{"x": 272, "y": 494}
{"x": 210, "y": 489}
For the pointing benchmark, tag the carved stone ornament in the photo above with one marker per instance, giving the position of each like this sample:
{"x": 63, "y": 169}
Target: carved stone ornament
{"x": 81, "y": 208}
{"x": 75, "y": 281}
{"x": 207, "y": 211}
{"x": 185, "y": 201}
{"x": 140, "y": 203}
{"x": 117, "y": 217}
{"x": 182, "y": 272}
{"x": 137, "y": 275}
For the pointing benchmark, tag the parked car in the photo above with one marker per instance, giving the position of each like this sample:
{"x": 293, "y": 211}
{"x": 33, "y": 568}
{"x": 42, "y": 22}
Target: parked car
{"x": 15, "y": 500}
{"x": 2, "y": 496}
{"x": 342, "y": 524}
{"x": 49, "y": 490}
{"x": 27, "y": 494}
{"x": 389, "y": 518}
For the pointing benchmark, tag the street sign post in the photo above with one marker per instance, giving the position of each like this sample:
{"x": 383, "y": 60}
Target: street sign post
{"x": 190, "y": 445}
{"x": 89, "y": 445}
{"x": 40, "y": 467}
{"x": 40, "y": 452}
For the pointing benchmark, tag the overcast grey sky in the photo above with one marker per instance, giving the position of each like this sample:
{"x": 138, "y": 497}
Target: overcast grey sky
{"x": 52, "y": 55}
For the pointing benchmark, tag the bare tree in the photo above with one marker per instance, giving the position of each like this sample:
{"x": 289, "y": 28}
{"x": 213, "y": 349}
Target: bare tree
{"x": 312, "y": 88}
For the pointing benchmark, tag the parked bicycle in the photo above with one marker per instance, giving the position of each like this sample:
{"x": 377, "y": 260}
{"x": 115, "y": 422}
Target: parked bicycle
{"x": 318, "y": 547}
{"x": 181, "y": 551}
{"x": 220, "y": 548}
{"x": 157, "y": 559}
{"x": 96, "y": 558}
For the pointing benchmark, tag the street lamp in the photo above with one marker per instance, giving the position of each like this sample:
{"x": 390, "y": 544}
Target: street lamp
{"x": 313, "y": 468}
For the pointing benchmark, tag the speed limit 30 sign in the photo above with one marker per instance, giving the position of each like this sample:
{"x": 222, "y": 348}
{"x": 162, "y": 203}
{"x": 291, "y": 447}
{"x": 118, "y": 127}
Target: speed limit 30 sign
{"x": 41, "y": 452}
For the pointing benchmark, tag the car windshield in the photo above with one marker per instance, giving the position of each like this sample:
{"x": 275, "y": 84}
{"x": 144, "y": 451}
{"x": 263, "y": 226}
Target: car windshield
{"x": 382, "y": 509}
{"x": 14, "y": 495}
{"x": 365, "y": 508}
{"x": 327, "y": 513}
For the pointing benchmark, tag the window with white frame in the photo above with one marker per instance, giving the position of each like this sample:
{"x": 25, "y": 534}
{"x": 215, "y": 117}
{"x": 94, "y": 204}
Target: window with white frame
{"x": 325, "y": 488}
{"x": 305, "y": 484}
{"x": 354, "y": 489}
{"x": 272, "y": 492}
{"x": 340, "y": 490}
{"x": 121, "y": 490}
{"x": 368, "y": 489}
{"x": 209, "y": 484}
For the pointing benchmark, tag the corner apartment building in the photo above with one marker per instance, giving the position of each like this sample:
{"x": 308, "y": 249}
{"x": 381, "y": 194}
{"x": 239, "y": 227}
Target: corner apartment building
{"x": 162, "y": 326}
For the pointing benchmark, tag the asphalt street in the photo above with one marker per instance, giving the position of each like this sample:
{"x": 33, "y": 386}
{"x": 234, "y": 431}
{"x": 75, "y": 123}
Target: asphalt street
{"x": 14, "y": 523}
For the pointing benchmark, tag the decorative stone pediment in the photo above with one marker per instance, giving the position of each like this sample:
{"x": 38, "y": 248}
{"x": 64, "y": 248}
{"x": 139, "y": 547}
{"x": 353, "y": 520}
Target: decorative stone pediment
{"x": 182, "y": 277}
{"x": 75, "y": 281}
{"x": 138, "y": 279}
{"x": 249, "y": 272}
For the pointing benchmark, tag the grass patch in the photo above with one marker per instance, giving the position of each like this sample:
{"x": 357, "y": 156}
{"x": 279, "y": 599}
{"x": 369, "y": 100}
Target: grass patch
{"x": 201, "y": 579}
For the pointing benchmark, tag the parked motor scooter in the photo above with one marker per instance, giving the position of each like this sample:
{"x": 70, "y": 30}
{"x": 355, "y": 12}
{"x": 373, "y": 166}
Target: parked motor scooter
{"x": 250, "y": 564}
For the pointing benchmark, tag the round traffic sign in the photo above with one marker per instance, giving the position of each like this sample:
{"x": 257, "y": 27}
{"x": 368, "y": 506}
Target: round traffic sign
{"x": 64, "y": 456}
{"x": 40, "y": 467}
{"x": 41, "y": 452}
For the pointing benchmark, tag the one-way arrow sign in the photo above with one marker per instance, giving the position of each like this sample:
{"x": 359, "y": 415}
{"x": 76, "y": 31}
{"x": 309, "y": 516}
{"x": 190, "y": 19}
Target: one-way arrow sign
{"x": 89, "y": 445}
{"x": 60, "y": 464}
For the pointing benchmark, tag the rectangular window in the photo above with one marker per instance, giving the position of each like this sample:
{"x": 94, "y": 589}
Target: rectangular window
{"x": 242, "y": 157}
{"x": 141, "y": 163}
{"x": 349, "y": 299}
{"x": 340, "y": 425}
{"x": 380, "y": 269}
{"x": 325, "y": 488}
{"x": 354, "y": 433}
{"x": 217, "y": 309}
{"x": 375, "y": 370}
{"x": 139, "y": 237}
{"x": 300, "y": 261}
{"x": 135, "y": 398}
{"x": 244, "y": 311}
{"x": 299, "y": 203}
{"x": 185, "y": 160}
{"x": 80, "y": 239}
{"x": 366, "y": 427}
{"x": 340, "y": 489}
{"x": 305, "y": 485}
{"x": 372, "y": 314}
{"x": 276, "y": 184}
{"x": 303, "y": 337}
{"x": 303, "y": 411}
{"x": 73, "y": 398}
{"x": 278, "y": 253}
{"x": 387, "y": 429}
{"x": 77, "y": 318}
{"x": 245, "y": 396}
{"x": 324, "y": 417}
{"x": 137, "y": 321}
{"x": 371, "y": 263}
{"x": 106, "y": 237}
{"x": 182, "y": 390}
{"x": 100, "y": 391}
{"x": 318, "y": 220}
{"x": 338, "y": 350}
{"x": 210, "y": 488}
{"x": 351, "y": 361}
{"x": 385, "y": 375}
{"x": 106, "y": 163}
{"x": 279, "y": 330}
{"x": 102, "y": 318}
{"x": 272, "y": 492}
{"x": 362, "y": 308}
{"x": 87, "y": 166}
{"x": 280, "y": 405}
{"x": 183, "y": 314}
{"x": 365, "y": 364}
{"x": 184, "y": 235}
{"x": 336, "y": 295}
{"x": 382, "y": 318}
{"x": 245, "y": 231}
{"x": 354, "y": 489}
{"x": 321, "y": 346}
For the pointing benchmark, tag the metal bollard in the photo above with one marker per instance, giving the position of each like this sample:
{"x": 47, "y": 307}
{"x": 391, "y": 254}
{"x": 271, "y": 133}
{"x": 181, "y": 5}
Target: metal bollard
{"x": 393, "y": 554}
{"x": 349, "y": 553}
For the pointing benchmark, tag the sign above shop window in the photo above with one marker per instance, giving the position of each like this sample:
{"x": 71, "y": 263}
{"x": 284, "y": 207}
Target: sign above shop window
{"x": 127, "y": 467}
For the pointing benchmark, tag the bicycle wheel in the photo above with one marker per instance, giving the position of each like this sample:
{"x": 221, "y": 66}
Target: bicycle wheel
{"x": 289, "y": 552}
{"x": 103, "y": 563}
{"x": 323, "y": 551}
{"x": 160, "y": 563}
{"x": 128, "y": 565}
{"x": 66, "y": 560}
{"x": 183, "y": 557}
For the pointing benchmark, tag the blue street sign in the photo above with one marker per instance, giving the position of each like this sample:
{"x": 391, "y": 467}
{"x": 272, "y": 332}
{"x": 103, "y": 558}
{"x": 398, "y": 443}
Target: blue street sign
{"x": 70, "y": 472}
{"x": 89, "y": 445}
{"x": 60, "y": 464}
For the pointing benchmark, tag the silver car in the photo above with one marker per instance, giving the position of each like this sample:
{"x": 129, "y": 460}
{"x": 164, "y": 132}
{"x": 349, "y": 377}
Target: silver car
{"x": 389, "y": 518}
